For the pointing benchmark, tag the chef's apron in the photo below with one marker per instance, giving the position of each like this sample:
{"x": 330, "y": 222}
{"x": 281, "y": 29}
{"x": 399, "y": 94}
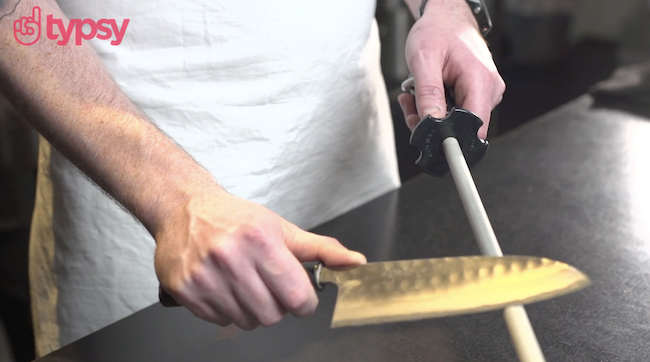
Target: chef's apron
{"x": 282, "y": 101}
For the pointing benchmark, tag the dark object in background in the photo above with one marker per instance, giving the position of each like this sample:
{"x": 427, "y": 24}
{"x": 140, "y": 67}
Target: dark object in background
{"x": 18, "y": 154}
{"x": 15, "y": 310}
{"x": 18, "y": 157}
{"x": 533, "y": 90}
{"x": 394, "y": 21}
{"x": 628, "y": 89}
{"x": 538, "y": 39}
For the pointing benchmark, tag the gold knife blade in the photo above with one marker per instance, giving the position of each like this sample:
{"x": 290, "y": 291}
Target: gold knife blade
{"x": 426, "y": 288}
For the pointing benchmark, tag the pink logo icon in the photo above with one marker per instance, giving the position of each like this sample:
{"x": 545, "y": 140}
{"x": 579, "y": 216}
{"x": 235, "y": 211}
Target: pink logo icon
{"x": 27, "y": 30}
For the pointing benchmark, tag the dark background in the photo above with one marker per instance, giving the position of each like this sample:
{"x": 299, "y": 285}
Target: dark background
{"x": 542, "y": 60}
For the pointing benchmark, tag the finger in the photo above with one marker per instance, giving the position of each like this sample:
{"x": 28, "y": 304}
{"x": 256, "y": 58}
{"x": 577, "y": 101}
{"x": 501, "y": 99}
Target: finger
{"x": 224, "y": 306}
{"x": 307, "y": 246}
{"x": 476, "y": 96}
{"x": 287, "y": 281}
{"x": 407, "y": 103}
{"x": 245, "y": 319}
{"x": 208, "y": 286}
{"x": 258, "y": 301}
{"x": 36, "y": 14}
{"x": 207, "y": 313}
{"x": 17, "y": 27}
{"x": 429, "y": 89}
{"x": 195, "y": 303}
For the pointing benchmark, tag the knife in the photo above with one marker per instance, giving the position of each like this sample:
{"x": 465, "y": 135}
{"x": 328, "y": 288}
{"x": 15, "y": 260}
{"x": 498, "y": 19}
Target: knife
{"x": 407, "y": 290}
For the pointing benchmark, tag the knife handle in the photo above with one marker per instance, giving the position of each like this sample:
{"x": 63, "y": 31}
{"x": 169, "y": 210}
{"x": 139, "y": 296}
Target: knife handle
{"x": 313, "y": 270}
{"x": 166, "y": 299}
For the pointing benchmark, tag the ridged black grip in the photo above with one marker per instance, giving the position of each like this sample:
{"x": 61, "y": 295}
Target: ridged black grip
{"x": 430, "y": 132}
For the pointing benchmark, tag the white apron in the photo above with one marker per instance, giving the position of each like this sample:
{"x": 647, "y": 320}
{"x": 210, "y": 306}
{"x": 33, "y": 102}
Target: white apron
{"x": 283, "y": 101}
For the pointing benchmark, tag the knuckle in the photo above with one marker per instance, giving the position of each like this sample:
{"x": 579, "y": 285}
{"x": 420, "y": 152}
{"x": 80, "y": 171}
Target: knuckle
{"x": 498, "y": 99}
{"x": 430, "y": 91}
{"x": 500, "y": 85}
{"x": 298, "y": 301}
{"x": 200, "y": 278}
{"x": 253, "y": 235}
{"x": 333, "y": 241}
{"x": 498, "y": 89}
{"x": 222, "y": 252}
{"x": 271, "y": 319}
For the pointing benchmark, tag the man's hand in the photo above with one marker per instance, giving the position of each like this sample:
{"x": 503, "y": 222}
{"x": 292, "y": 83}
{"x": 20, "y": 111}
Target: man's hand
{"x": 445, "y": 47}
{"x": 229, "y": 260}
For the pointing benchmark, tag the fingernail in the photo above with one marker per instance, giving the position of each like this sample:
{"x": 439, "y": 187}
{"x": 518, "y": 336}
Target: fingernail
{"x": 435, "y": 112}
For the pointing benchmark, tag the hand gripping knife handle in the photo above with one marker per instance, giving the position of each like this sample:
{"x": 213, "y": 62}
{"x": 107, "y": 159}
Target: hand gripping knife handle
{"x": 313, "y": 270}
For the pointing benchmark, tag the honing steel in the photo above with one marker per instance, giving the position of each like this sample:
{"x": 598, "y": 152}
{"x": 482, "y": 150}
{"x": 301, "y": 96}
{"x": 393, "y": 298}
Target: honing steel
{"x": 451, "y": 143}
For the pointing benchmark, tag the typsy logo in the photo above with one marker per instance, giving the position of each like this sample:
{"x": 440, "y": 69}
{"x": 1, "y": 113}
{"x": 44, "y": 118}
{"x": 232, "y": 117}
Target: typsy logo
{"x": 27, "y": 30}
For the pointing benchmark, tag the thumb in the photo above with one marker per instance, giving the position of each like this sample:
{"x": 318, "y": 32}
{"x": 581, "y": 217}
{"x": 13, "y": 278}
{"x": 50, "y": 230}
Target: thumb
{"x": 307, "y": 246}
{"x": 429, "y": 92}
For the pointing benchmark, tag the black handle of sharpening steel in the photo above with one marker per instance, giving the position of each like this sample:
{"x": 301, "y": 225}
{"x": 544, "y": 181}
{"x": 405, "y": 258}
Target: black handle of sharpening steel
{"x": 430, "y": 132}
{"x": 313, "y": 269}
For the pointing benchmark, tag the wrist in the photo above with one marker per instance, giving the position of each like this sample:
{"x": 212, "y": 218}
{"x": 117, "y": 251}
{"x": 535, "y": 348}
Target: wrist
{"x": 474, "y": 11}
{"x": 176, "y": 214}
{"x": 176, "y": 182}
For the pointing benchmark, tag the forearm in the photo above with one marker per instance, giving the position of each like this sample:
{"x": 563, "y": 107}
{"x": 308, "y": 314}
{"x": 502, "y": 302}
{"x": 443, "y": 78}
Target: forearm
{"x": 70, "y": 98}
{"x": 4, "y": 7}
{"x": 456, "y": 8}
